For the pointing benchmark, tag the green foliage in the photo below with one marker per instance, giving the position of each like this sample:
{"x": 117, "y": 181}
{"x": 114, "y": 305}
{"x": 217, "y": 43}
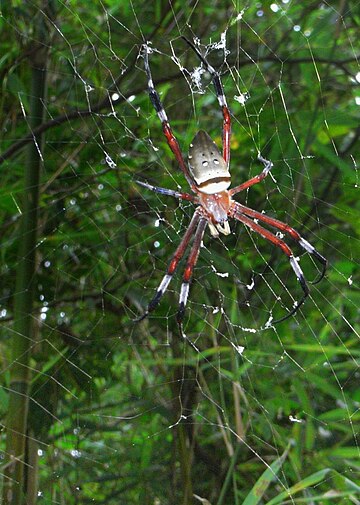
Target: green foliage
{"x": 268, "y": 415}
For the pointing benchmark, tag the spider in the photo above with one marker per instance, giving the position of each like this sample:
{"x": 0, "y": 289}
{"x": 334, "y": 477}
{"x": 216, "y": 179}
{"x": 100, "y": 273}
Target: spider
{"x": 208, "y": 175}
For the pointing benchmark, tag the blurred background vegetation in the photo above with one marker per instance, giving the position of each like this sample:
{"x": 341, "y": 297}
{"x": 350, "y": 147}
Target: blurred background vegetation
{"x": 97, "y": 409}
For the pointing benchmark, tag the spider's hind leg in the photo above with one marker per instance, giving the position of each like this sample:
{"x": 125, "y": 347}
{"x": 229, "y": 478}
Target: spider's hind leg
{"x": 160, "y": 111}
{"x": 219, "y": 90}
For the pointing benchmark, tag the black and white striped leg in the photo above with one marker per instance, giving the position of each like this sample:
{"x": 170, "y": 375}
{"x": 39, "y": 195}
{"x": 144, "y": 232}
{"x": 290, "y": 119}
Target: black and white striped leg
{"x": 279, "y": 225}
{"x": 179, "y": 253}
{"x": 311, "y": 249}
{"x": 237, "y": 214}
{"x": 219, "y": 90}
{"x": 159, "y": 108}
{"x": 167, "y": 192}
{"x": 190, "y": 265}
{"x": 153, "y": 94}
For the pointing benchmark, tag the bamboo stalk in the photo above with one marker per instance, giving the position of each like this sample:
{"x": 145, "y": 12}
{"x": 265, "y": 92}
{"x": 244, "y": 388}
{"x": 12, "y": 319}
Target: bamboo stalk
{"x": 22, "y": 339}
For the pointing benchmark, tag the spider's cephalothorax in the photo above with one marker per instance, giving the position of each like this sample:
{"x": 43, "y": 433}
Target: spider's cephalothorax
{"x": 207, "y": 173}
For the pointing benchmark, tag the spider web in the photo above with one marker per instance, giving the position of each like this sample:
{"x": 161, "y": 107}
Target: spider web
{"x": 237, "y": 387}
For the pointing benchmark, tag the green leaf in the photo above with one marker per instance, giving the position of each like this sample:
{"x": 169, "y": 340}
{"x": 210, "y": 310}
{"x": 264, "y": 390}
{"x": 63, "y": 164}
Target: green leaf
{"x": 309, "y": 481}
{"x": 347, "y": 486}
{"x": 265, "y": 480}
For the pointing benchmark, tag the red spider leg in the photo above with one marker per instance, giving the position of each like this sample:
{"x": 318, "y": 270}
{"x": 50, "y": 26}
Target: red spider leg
{"x": 168, "y": 192}
{"x": 219, "y": 90}
{"x": 236, "y": 213}
{"x": 159, "y": 108}
{"x": 190, "y": 265}
{"x": 179, "y": 253}
{"x": 289, "y": 230}
{"x": 254, "y": 180}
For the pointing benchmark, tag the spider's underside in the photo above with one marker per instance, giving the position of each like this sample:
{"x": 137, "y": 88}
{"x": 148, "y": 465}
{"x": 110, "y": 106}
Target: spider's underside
{"x": 207, "y": 173}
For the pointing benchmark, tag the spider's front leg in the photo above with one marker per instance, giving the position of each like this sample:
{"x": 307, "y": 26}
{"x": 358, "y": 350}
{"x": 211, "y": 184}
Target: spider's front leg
{"x": 279, "y": 225}
{"x": 179, "y": 253}
{"x": 236, "y": 212}
{"x": 190, "y": 265}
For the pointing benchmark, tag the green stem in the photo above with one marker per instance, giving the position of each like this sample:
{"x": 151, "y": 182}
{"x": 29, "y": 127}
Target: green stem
{"x": 22, "y": 338}
{"x": 229, "y": 475}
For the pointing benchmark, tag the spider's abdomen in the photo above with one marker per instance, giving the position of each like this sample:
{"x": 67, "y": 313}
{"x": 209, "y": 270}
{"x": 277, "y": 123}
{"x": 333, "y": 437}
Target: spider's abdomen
{"x": 207, "y": 166}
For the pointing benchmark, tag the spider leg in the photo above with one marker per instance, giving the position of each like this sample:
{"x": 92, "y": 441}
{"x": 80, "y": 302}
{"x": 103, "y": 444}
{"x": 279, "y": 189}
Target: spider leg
{"x": 159, "y": 108}
{"x": 190, "y": 265}
{"x": 179, "y": 253}
{"x": 168, "y": 192}
{"x": 236, "y": 213}
{"x": 254, "y": 180}
{"x": 219, "y": 90}
{"x": 279, "y": 225}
